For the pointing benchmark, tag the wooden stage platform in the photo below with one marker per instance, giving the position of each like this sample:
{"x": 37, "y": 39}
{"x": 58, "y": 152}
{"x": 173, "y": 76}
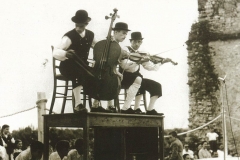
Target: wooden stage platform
{"x": 113, "y": 128}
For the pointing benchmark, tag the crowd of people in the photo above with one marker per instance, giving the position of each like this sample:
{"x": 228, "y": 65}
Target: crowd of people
{"x": 11, "y": 149}
{"x": 211, "y": 147}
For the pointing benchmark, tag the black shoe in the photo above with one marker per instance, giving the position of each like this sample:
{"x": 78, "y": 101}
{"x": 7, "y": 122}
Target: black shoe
{"x": 100, "y": 109}
{"x": 128, "y": 111}
{"x": 112, "y": 109}
{"x": 154, "y": 112}
{"x": 138, "y": 111}
{"x": 80, "y": 109}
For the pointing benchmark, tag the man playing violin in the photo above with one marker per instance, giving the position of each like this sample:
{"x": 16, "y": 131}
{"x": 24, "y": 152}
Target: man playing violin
{"x": 132, "y": 78}
{"x": 79, "y": 41}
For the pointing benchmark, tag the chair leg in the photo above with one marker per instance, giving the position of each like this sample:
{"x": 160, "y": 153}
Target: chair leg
{"x": 73, "y": 101}
{"x": 65, "y": 97}
{"x": 89, "y": 102}
{"x": 53, "y": 97}
{"x": 84, "y": 99}
{"x": 145, "y": 102}
{"x": 116, "y": 103}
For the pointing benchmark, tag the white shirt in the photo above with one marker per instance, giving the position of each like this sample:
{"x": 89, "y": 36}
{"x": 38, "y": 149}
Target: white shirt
{"x": 130, "y": 66}
{"x": 190, "y": 152}
{"x": 212, "y": 136}
{"x": 59, "y": 51}
{"x": 73, "y": 155}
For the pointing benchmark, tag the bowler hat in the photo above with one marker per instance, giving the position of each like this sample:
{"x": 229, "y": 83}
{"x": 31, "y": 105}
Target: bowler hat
{"x": 81, "y": 16}
{"x": 136, "y": 36}
{"x": 121, "y": 26}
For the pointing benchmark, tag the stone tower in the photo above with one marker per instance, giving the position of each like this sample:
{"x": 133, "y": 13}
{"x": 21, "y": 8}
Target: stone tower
{"x": 214, "y": 51}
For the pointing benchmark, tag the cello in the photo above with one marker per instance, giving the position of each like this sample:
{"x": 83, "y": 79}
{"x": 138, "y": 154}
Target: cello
{"x": 105, "y": 85}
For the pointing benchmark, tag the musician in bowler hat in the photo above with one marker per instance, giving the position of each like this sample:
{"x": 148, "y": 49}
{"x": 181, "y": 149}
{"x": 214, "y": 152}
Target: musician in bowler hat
{"x": 134, "y": 81}
{"x": 79, "y": 41}
{"x": 120, "y": 31}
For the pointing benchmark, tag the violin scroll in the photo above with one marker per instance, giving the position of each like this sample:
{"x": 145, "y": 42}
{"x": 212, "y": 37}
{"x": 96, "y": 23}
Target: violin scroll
{"x": 114, "y": 15}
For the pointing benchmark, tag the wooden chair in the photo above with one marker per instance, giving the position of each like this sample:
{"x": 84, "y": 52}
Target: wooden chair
{"x": 57, "y": 78}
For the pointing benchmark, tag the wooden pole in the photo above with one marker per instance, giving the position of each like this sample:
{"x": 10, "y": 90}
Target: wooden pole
{"x": 41, "y": 104}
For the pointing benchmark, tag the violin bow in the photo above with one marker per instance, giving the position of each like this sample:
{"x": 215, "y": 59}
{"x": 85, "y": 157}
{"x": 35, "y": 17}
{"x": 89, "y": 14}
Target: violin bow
{"x": 167, "y": 50}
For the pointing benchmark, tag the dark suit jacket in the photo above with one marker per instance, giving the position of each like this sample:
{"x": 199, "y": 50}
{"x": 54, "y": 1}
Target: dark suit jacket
{"x": 176, "y": 149}
{"x": 10, "y": 145}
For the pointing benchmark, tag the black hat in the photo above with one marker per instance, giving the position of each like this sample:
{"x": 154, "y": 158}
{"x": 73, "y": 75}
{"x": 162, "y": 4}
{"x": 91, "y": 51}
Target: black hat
{"x": 121, "y": 26}
{"x": 136, "y": 36}
{"x": 81, "y": 16}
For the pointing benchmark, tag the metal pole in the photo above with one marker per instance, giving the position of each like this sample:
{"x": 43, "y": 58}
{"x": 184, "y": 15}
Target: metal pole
{"x": 224, "y": 119}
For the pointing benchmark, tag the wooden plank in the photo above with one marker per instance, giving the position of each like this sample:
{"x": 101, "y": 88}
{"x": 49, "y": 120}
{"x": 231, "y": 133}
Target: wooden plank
{"x": 103, "y": 119}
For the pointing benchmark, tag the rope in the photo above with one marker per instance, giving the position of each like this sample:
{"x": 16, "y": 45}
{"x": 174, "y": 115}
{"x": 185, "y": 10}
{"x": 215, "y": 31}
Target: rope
{"x": 18, "y": 112}
{"x": 198, "y": 127}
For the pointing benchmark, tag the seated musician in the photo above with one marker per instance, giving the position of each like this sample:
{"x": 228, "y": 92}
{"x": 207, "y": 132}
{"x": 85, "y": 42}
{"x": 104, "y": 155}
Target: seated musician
{"x": 134, "y": 80}
{"x": 119, "y": 34}
{"x": 79, "y": 40}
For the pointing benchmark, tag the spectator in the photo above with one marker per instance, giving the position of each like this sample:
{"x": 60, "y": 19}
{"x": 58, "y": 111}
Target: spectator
{"x": 176, "y": 147}
{"x": 8, "y": 140}
{"x": 220, "y": 151}
{"x": 212, "y": 139}
{"x": 17, "y": 149}
{"x": 203, "y": 152}
{"x": 77, "y": 153}
{"x": 186, "y": 150}
{"x": 34, "y": 152}
{"x": 62, "y": 148}
{"x": 197, "y": 151}
{"x": 186, "y": 157}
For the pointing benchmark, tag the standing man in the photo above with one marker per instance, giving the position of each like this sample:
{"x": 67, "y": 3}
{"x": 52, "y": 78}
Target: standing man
{"x": 79, "y": 41}
{"x": 176, "y": 147}
{"x": 212, "y": 139}
{"x": 133, "y": 79}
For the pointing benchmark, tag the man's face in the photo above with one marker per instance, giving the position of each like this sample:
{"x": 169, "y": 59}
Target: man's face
{"x": 171, "y": 138}
{"x": 205, "y": 145}
{"x": 136, "y": 44}
{"x": 186, "y": 148}
{"x": 6, "y": 130}
{"x": 120, "y": 35}
{"x": 80, "y": 27}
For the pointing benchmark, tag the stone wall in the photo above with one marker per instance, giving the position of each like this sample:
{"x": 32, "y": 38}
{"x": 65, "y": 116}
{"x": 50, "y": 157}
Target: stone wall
{"x": 214, "y": 51}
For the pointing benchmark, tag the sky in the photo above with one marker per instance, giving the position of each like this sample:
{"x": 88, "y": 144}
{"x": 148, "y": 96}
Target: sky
{"x": 30, "y": 27}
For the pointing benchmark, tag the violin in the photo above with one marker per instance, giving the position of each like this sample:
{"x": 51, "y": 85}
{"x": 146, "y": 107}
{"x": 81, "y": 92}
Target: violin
{"x": 144, "y": 57}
